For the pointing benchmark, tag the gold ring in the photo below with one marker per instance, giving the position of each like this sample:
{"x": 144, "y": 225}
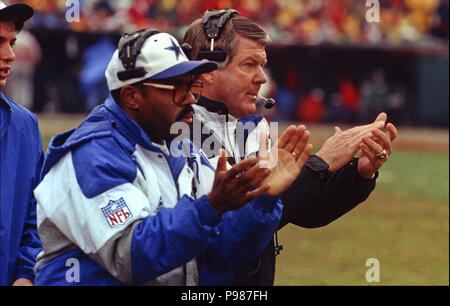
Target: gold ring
{"x": 382, "y": 155}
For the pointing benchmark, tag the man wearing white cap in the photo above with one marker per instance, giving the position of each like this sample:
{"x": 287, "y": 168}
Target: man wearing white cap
{"x": 21, "y": 159}
{"x": 117, "y": 206}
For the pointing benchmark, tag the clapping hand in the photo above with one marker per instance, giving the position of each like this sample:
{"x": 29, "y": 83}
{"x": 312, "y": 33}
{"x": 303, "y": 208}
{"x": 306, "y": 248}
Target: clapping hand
{"x": 340, "y": 148}
{"x": 237, "y": 186}
{"x": 375, "y": 150}
{"x": 285, "y": 159}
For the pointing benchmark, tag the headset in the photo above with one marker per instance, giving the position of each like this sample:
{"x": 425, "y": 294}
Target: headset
{"x": 130, "y": 45}
{"x": 213, "y": 23}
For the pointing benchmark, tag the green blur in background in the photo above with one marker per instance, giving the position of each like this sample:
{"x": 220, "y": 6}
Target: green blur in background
{"x": 404, "y": 224}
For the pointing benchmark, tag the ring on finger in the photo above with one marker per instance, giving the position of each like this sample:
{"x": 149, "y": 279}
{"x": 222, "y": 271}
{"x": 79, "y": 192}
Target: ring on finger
{"x": 382, "y": 155}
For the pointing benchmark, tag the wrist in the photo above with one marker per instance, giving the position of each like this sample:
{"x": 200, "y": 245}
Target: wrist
{"x": 326, "y": 159}
{"x": 368, "y": 175}
{"x": 213, "y": 202}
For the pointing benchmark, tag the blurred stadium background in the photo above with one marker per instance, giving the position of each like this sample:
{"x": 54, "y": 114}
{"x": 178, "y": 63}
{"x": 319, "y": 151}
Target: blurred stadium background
{"x": 328, "y": 66}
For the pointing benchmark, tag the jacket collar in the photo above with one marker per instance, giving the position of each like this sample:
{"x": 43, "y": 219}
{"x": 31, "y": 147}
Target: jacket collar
{"x": 133, "y": 131}
{"x": 137, "y": 134}
{"x": 122, "y": 120}
{"x": 213, "y": 106}
{"x": 4, "y": 101}
{"x": 104, "y": 121}
{"x": 212, "y": 110}
{"x": 221, "y": 124}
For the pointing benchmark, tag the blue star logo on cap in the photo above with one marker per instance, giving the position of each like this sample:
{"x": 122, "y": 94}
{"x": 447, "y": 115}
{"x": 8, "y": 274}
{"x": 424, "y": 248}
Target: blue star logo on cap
{"x": 174, "y": 48}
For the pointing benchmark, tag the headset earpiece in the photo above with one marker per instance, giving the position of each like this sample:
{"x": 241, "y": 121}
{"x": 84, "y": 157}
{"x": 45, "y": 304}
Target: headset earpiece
{"x": 187, "y": 49}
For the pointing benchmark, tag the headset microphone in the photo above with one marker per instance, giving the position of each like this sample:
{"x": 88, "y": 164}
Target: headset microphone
{"x": 267, "y": 102}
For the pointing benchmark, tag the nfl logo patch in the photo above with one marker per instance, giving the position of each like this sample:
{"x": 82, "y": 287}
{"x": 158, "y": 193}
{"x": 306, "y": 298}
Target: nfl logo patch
{"x": 116, "y": 212}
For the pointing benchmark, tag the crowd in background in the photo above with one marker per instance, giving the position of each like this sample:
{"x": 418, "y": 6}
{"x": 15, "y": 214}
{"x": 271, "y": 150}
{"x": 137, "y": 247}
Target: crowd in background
{"x": 74, "y": 81}
{"x": 352, "y": 101}
{"x": 309, "y": 21}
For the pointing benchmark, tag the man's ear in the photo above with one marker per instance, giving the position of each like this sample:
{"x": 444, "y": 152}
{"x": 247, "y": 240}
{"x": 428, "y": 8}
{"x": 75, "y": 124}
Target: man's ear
{"x": 207, "y": 78}
{"x": 130, "y": 96}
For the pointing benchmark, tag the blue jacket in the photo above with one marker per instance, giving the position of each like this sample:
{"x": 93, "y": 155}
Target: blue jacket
{"x": 115, "y": 208}
{"x": 21, "y": 157}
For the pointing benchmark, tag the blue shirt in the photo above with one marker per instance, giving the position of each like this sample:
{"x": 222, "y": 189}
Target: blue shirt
{"x": 21, "y": 158}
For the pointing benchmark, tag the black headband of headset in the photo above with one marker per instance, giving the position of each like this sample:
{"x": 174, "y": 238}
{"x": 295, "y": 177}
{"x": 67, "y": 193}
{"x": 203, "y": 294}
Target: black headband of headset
{"x": 130, "y": 45}
{"x": 213, "y": 23}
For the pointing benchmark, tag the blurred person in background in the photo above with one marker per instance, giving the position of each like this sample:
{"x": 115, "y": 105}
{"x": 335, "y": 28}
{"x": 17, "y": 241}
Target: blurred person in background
{"x": 287, "y": 96}
{"x": 332, "y": 182}
{"x": 349, "y": 96}
{"x": 396, "y": 106}
{"x": 374, "y": 95}
{"x": 93, "y": 86}
{"x": 21, "y": 158}
{"x": 311, "y": 108}
{"x": 344, "y": 104}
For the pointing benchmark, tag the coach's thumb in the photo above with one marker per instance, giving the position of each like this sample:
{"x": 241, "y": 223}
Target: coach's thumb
{"x": 382, "y": 117}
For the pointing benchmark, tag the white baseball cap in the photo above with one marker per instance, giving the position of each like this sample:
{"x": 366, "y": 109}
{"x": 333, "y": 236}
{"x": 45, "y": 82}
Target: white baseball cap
{"x": 161, "y": 57}
{"x": 15, "y": 12}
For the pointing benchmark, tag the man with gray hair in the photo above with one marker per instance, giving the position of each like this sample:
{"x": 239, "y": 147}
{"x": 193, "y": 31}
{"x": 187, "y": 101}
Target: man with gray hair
{"x": 332, "y": 181}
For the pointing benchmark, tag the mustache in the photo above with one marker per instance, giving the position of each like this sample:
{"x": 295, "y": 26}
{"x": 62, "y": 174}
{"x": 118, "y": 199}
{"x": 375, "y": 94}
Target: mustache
{"x": 184, "y": 111}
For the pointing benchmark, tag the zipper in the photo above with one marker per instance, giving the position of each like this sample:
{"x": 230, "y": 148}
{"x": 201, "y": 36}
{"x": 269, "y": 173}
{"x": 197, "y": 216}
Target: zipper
{"x": 177, "y": 185}
{"x": 138, "y": 166}
{"x": 194, "y": 189}
{"x": 171, "y": 172}
{"x": 178, "y": 191}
